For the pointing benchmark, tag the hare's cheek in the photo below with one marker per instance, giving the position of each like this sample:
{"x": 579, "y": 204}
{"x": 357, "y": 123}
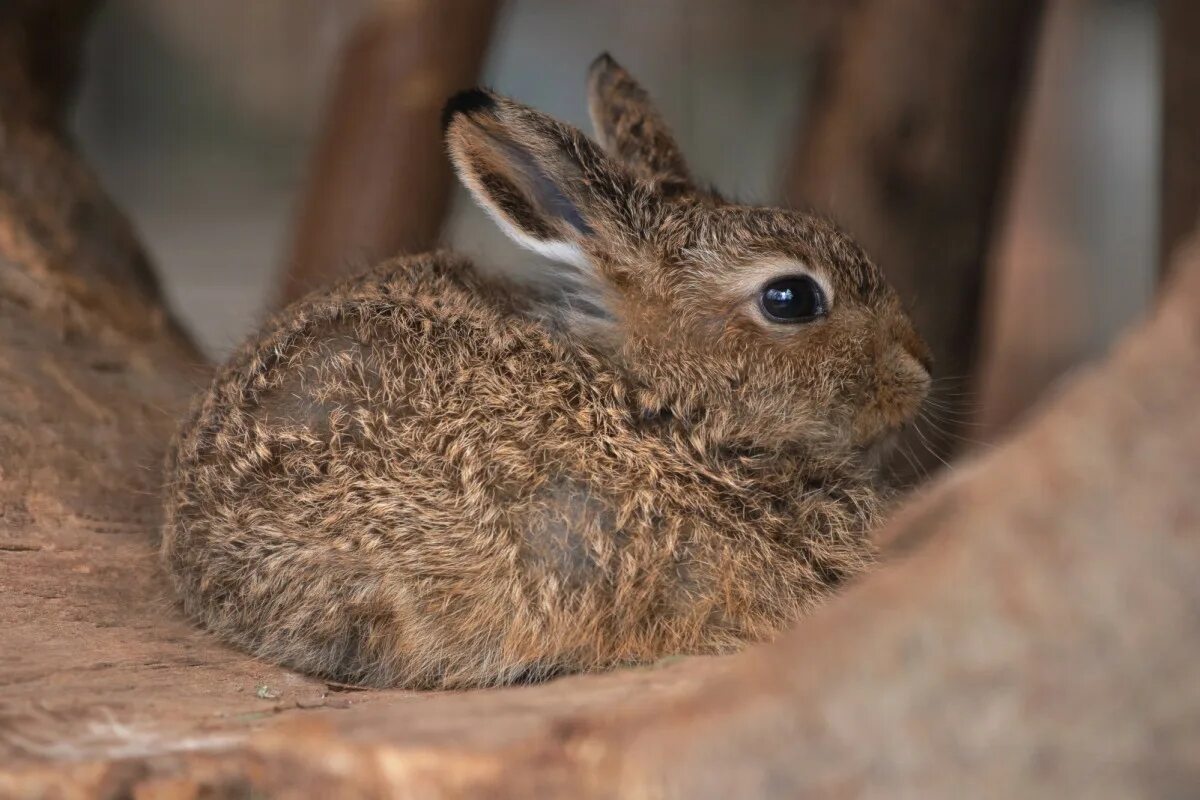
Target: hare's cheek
{"x": 908, "y": 383}
{"x": 869, "y": 427}
{"x": 899, "y": 387}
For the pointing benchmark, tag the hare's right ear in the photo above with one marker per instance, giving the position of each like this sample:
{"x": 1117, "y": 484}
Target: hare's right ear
{"x": 630, "y": 127}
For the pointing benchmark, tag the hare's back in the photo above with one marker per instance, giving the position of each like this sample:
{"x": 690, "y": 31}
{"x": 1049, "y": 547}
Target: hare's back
{"x": 410, "y": 381}
{"x": 423, "y": 355}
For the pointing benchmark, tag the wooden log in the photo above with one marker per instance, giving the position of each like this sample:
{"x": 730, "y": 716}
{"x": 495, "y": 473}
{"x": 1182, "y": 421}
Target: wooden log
{"x": 379, "y": 182}
{"x": 907, "y": 144}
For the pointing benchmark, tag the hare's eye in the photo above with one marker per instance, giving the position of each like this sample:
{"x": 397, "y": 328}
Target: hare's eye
{"x": 794, "y": 299}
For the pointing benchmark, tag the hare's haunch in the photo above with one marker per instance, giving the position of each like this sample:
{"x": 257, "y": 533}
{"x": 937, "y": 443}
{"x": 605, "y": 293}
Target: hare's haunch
{"x": 663, "y": 444}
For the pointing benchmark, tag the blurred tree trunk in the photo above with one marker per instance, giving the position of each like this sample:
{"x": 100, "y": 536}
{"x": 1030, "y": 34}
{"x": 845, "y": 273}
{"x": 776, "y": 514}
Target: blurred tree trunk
{"x": 379, "y": 182}
{"x": 40, "y": 58}
{"x": 1035, "y": 321}
{"x": 1179, "y": 22}
{"x": 907, "y": 145}
{"x": 66, "y": 252}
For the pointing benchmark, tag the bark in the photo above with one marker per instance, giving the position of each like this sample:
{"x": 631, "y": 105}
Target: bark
{"x": 1179, "y": 22}
{"x": 379, "y": 182}
{"x": 1032, "y": 632}
{"x": 907, "y": 145}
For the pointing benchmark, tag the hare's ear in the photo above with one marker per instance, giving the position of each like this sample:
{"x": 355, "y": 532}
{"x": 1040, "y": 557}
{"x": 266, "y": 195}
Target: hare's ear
{"x": 630, "y": 128}
{"x": 549, "y": 187}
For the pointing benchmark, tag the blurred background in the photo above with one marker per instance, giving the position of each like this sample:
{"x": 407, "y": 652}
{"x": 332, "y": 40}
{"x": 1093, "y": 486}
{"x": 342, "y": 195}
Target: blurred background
{"x": 262, "y": 148}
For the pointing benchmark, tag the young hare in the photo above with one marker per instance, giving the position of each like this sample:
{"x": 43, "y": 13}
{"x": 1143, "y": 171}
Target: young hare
{"x": 427, "y": 477}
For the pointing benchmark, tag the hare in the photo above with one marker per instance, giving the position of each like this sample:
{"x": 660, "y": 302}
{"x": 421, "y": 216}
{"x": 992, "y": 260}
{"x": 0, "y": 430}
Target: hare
{"x": 429, "y": 477}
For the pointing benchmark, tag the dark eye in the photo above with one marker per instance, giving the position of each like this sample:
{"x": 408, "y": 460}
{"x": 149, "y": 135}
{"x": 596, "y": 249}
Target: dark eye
{"x": 794, "y": 299}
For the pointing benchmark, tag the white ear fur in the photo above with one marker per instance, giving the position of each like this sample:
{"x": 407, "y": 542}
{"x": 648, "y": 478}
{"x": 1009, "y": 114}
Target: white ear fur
{"x": 524, "y": 183}
{"x": 576, "y": 297}
{"x": 562, "y": 251}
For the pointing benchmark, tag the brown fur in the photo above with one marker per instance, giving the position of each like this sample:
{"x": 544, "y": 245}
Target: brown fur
{"x": 426, "y": 478}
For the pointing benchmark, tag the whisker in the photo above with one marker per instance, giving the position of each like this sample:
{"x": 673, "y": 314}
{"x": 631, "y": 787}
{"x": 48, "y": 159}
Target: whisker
{"x": 918, "y": 472}
{"x": 928, "y": 446}
{"x": 945, "y": 433}
{"x": 944, "y": 413}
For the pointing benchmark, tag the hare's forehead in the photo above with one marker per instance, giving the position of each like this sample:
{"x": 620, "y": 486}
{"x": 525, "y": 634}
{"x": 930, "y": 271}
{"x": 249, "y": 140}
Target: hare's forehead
{"x": 748, "y": 244}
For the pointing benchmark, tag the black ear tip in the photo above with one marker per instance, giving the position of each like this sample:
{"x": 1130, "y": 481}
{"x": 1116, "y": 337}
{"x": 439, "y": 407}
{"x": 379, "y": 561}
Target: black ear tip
{"x": 603, "y": 64}
{"x": 465, "y": 102}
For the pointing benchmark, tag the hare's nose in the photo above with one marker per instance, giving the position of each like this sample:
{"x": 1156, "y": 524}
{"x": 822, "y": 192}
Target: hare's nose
{"x": 923, "y": 356}
{"x": 915, "y": 346}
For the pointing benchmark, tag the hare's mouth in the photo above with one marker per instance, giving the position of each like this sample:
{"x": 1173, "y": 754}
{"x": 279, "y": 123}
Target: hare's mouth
{"x": 874, "y": 453}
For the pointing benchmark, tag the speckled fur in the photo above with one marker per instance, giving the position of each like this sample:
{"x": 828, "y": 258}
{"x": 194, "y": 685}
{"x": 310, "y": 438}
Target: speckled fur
{"x": 429, "y": 478}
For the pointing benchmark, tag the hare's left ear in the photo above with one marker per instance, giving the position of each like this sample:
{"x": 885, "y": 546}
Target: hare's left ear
{"x": 630, "y": 128}
{"x": 549, "y": 187}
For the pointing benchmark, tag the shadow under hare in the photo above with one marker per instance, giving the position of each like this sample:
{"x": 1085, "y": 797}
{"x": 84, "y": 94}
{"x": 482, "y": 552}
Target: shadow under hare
{"x": 665, "y": 443}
